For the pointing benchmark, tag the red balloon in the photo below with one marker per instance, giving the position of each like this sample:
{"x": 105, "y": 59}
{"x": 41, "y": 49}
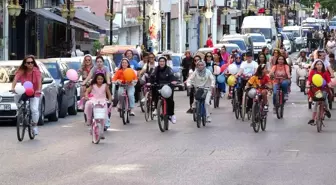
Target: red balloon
{"x": 30, "y": 92}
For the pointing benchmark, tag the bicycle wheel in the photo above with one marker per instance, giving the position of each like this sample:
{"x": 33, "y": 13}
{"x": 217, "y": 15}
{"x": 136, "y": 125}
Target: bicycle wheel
{"x": 243, "y": 109}
{"x": 217, "y": 98}
{"x": 198, "y": 114}
{"x": 142, "y": 104}
{"x": 204, "y": 117}
{"x": 237, "y": 107}
{"x": 264, "y": 121}
{"x": 30, "y": 130}
{"x": 146, "y": 107}
{"x": 319, "y": 118}
{"x": 95, "y": 132}
{"x": 255, "y": 117}
{"x": 160, "y": 117}
{"x": 20, "y": 125}
{"x": 278, "y": 105}
{"x": 151, "y": 108}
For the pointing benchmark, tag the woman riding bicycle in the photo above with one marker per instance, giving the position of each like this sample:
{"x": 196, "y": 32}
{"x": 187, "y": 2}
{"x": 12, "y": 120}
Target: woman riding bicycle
{"x": 98, "y": 89}
{"x": 237, "y": 60}
{"x": 319, "y": 68}
{"x": 30, "y": 72}
{"x": 163, "y": 74}
{"x": 84, "y": 71}
{"x": 281, "y": 72}
{"x": 119, "y": 78}
{"x": 99, "y": 68}
{"x": 202, "y": 77}
{"x": 192, "y": 69}
{"x": 261, "y": 81}
{"x": 274, "y": 57}
{"x": 146, "y": 71}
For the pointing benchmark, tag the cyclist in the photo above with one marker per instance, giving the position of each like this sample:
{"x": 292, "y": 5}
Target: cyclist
{"x": 147, "y": 70}
{"x": 237, "y": 61}
{"x": 99, "y": 68}
{"x": 186, "y": 64}
{"x": 247, "y": 69}
{"x": 119, "y": 78}
{"x": 29, "y": 71}
{"x": 261, "y": 81}
{"x": 84, "y": 71}
{"x": 274, "y": 57}
{"x": 203, "y": 77}
{"x": 192, "y": 69}
{"x": 163, "y": 74}
{"x": 262, "y": 60}
{"x": 322, "y": 56}
{"x": 130, "y": 57}
{"x": 218, "y": 62}
{"x": 99, "y": 89}
{"x": 280, "y": 70}
{"x": 319, "y": 68}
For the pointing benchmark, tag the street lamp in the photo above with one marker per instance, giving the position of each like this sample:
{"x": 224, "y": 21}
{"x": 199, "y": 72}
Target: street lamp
{"x": 163, "y": 28}
{"x": 14, "y": 10}
{"x": 109, "y": 16}
{"x": 187, "y": 18}
{"x": 208, "y": 14}
{"x": 68, "y": 12}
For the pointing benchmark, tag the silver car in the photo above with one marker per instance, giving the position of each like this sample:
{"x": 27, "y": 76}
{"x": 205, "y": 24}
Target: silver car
{"x": 8, "y": 101}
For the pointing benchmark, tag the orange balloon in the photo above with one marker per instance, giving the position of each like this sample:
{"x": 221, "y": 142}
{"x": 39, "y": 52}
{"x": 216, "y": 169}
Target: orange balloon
{"x": 129, "y": 74}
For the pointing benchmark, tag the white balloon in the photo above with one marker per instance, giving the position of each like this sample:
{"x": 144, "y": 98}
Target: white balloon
{"x": 233, "y": 69}
{"x": 166, "y": 91}
{"x": 19, "y": 89}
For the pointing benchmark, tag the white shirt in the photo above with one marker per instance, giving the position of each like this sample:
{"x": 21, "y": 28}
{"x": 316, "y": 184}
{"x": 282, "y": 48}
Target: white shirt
{"x": 331, "y": 44}
{"x": 249, "y": 68}
{"x": 77, "y": 53}
{"x": 207, "y": 81}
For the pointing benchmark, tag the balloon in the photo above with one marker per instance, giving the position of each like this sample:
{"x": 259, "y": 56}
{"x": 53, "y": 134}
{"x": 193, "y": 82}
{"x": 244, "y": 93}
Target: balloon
{"x": 220, "y": 79}
{"x": 19, "y": 89}
{"x": 72, "y": 75}
{"x": 333, "y": 82}
{"x": 233, "y": 69}
{"x": 324, "y": 82}
{"x": 317, "y": 80}
{"x": 28, "y": 85}
{"x": 166, "y": 91}
{"x": 231, "y": 80}
{"x": 129, "y": 74}
{"x": 252, "y": 93}
{"x": 30, "y": 92}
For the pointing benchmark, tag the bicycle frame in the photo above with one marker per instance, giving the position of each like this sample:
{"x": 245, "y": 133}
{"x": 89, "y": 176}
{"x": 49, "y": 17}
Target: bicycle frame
{"x": 98, "y": 121}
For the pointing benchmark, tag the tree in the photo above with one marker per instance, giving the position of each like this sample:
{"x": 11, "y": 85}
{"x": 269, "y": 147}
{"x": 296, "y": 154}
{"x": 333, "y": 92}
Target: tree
{"x": 327, "y": 4}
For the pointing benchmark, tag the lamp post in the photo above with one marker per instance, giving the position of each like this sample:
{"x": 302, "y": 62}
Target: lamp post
{"x": 225, "y": 12}
{"x": 109, "y": 16}
{"x": 14, "y": 10}
{"x": 68, "y": 12}
{"x": 187, "y": 18}
{"x": 163, "y": 28}
{"x": 144, "y": 32}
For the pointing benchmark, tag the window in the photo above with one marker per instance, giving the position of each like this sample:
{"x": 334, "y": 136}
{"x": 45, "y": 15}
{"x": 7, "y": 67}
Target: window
{"x": 176, "y": 61}
{"x": 258, "y": 39}
{"x": 44, "y": 72}
{"x": 64, "y": 69}
{"x": 53, "y": 70}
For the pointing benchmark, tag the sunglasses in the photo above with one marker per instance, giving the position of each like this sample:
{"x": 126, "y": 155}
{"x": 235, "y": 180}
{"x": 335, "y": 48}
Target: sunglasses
{"x": 29, "y": 63}
{"x": 208, "y": 56}
{"x": 238, "y": 58}
{"x": 151, "y": 57}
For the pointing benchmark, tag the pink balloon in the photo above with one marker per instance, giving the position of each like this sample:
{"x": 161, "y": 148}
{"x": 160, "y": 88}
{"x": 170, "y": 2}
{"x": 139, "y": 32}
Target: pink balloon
{"x": 72, "y": 75}
{"x": 333, "y": 82}
{"x": 28, "y": 85}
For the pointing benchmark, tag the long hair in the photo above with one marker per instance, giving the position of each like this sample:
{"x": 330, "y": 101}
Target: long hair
{"x": 23, "y": 66}
{"x": 193, "y": 65}
{"x": 259, "y": 72}
{"x": 261, "y": 54}
{"x": 83, "y": 63}
{"x": 317, "y": 61}
{"x": 220, "y": 56}
{"x": 205, "y": 57}
{"x": 124, "y": 59}
{"x": 100, "y": 57}
{"x": 94, "y": 81}
{"x": 284, "y": 58}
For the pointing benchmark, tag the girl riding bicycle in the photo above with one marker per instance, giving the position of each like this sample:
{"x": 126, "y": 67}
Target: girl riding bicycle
{"x": 99, "y": 68}
{"x": 119, "y": 77}
{"x": 261, "y": 81}
{"x": 29, "y": 71}
{"x": 320, "y": 69}
{"x": 280, "y": 70}
{"x": 202, "y": 77}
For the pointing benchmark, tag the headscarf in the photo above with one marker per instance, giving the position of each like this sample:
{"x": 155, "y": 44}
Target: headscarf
{"x": 158, "y": 68}
{"x": 202, "y": 72}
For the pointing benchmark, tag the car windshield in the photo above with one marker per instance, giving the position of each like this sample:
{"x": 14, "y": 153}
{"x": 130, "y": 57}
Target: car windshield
{"x": 285, "y": 37}
{"x": 7, "y": 73}
{"x": 296, "y": 33}
{"x": 53, "y": 70}
{"x": 258, "y": 39}
{"x": 118, "y": 56}
{"x": 267, "y": 32}
{"x": 332, "y": 23}
{"x": 230, "y": 48}
{"x": 176, "y": 61}
{"x": 74, "y": 65}
{"x": 240, "y": 43}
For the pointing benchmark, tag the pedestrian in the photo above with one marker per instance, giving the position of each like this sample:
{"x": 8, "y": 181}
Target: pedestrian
{"x": 209, "y": 42}
{"x": 186, "y": 64}
{"x": 77, "y": 52}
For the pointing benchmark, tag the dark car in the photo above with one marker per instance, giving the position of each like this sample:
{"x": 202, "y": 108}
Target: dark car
{"x": 67, "y": 96}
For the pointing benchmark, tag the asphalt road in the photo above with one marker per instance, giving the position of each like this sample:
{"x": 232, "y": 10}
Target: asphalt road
{"x": 225, "y": 152}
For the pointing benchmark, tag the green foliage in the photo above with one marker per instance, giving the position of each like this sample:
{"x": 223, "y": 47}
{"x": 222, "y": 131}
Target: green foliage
{"x": 96, "y": 46}
{"x": 327, "y": 4}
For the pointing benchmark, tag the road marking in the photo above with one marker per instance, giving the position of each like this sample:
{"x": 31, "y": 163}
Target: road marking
{"x": 67, "y": 126}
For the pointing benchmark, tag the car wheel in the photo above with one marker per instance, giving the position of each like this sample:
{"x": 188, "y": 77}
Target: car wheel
{"x": 54, "y": 116}
{"x": 42, "y": 110}
{"x": 63, "y": 108}
{"x": 73, "y": 109}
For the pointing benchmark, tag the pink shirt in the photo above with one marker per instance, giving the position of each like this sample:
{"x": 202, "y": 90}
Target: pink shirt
{"x": 33, "y": 76}
{"x": 225, "y": 57}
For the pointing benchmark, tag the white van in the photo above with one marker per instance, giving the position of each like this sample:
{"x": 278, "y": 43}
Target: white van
{"x": 261, "y": 24}
{"x": 298, "y": 34}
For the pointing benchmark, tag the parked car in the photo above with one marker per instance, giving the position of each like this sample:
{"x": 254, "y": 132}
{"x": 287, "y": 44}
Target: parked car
{"x": 229, "y": 47}
{"x": 292, "y": 41}
{"x": 286, "y": 43}
{"x": 240, "y": 42}
{"x": 67, "y": 96}
{"x": 74, "y": 63}
{"x": 259, "y": 41}
{"x": 247, "y": 40}
{"x": 48, "y": 105}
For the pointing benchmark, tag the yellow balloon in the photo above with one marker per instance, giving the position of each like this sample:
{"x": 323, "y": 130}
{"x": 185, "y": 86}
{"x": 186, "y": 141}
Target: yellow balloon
{"x": 317, "y": 80}
{"x": 231, "y": 80}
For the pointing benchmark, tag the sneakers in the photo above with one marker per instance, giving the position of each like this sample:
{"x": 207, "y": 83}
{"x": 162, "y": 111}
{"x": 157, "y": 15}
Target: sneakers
{"x": 132, "y": 114}
{"x": 154, "y": 112}
{"x": 190, "y": 111}
{"x": 173, "y": 119}
{"x": 311, "y": 122}
{"x": 327, "y": 113}
{"x": 286, "y": 97}
{"x": 208, "y": 119}
{"x": 35, "y": 131}
{"x": 266, "y": 108}
{"x": 222, "y": 94}
{"x": 143, "y": 100}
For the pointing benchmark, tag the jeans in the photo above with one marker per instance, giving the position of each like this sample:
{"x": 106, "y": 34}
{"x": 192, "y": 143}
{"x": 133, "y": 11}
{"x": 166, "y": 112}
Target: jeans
{"x": 284, "y": 87}
{"x": 222, "y": 87}
{"x": 130, "y": 91}
{"x": 34, "y": 108}
{"x": 206, "y": 102}
{"x": 170, "y": 101}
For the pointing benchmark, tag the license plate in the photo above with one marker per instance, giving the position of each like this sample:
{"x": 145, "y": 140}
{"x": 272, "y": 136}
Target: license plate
{"x": 5, "y": 107}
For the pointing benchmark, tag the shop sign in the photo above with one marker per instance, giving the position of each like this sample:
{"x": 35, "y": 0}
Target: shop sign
{"x": 129, "y": 15}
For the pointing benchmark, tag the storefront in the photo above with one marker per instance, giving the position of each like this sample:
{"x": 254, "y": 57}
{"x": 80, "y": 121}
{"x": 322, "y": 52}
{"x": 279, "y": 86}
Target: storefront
{"x": 130, "y": 33}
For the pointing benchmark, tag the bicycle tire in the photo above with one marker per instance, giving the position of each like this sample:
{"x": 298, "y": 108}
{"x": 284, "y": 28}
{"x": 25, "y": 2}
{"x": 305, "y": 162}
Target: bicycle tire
{"x": 146, "y": 107}
{"x": 194, "y": 114}
{"x": 318, "y": 119}
{"x": 159, "y": 116}
{"x": 124, "y": 111}
{"x": 142, "y": 104}
{"x": 30, "y": 130}
{"x": 278, "y": 105}
{"x": 264, "y": 122}
{"x": 255, "y": 117}
{"x": 151, "y": 109}
{"x": 243, "y": 109}
{"x": 166, "y": 122}
{"x": 215, "y": 98}
{"x": 198, "y": 114}
{"x": 20, "y": 124}
{"x": 95, "y": 132}
{"x": 237, "y": 108}
{"x": 204, "y": 117}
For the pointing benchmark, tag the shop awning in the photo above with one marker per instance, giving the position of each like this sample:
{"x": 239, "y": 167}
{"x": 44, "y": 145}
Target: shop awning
{"x": 93, "y": 19}
{"x": 50, "y": 15}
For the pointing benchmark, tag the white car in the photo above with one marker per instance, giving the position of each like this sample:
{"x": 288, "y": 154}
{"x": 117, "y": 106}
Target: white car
{"x": 259, "y": 41}
{"x": 286, "y": 43}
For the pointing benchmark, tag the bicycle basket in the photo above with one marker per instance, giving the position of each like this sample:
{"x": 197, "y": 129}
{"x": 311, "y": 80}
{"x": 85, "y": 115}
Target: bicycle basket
{"x": 200, "y": 94}
{"x": 318, "y": 96}
{"x": 25, "y": 97}
{"x": 99, "y": 113}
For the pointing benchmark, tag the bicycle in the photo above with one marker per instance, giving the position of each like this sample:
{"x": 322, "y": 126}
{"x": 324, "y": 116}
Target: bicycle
{"x": 236, "y": 105}
{"x": 23, "y": 119}
{"x": 148, "y": 104}
{"x": 162, "y": 117}
{"x": 259, "y": 115}
{"x": 279, "y": 100}
{"x": 320, "y": 113}
{"x": 243, "y": 104}
{"x": 216, "y": 94}
{"x": 98, "y": 121}
{"x": 124, "y": 111}
{"x": 199, "y": 114}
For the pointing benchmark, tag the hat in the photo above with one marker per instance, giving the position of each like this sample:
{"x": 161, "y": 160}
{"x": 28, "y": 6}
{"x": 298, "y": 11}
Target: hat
{"x": 249, "y": 54}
